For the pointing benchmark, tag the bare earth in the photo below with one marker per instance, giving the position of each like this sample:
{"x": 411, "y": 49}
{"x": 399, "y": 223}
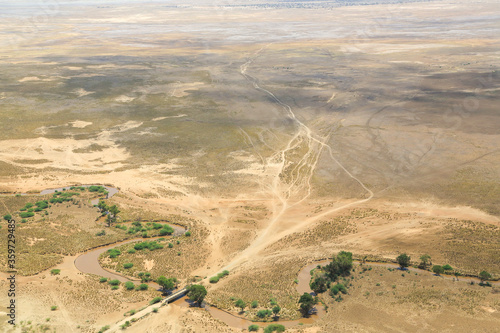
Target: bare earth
{"x": 279, "y": 136}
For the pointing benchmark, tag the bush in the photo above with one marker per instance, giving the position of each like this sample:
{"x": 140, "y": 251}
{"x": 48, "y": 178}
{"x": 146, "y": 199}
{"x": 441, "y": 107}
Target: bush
{"x": 484, "y": 276}
{"x": 114, "y": 282}
{"x": 155, "y": 310}
{"x": 129, "y": 285}
{"x": 170, "y": 245}
{"x": 214, "y": 279}
{"x": 7, "y": 217}
{"x": 143, "y": 286}
{"x": 55, "y": 271}
{"x": 447, "y": 267}
{"x": 155, "y": 300}
{"x": 334, "y": 290}
{"x": 114, "y": 287}
{"x": 113, "y": 253}
{"x": 166, "y": 230}
{"x": 148, "y": 245}
{"x": 26, "y": 214}
{"x": 128, "y": 265}
{"x": 264, "y": 313}
{"x": 188, "y": 233}
{"x": 253, "y": 328}
{"x": 131, "y": 251}
{"x": 103, "y": 329}
{"x": 101, "y": 233}
{"x": 103, "y": 279}
{"x": 274, "y": 328}
{"x": 254, "y": 304}
{"x": 53, "y": 308}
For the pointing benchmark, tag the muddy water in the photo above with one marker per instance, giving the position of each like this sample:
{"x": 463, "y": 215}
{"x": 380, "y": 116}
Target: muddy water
{"x": 238, "y": 321}
{"x": 89, "y": 261}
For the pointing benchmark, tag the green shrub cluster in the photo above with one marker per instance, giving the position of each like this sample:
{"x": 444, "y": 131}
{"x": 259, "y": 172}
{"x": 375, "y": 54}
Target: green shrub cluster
{"x": 339, "y": 287}
{"x": 148, "y": 245}
{"x": 166, "y": 230}
{"x": 215, "y": 279}
{"x": 113, "y": 253}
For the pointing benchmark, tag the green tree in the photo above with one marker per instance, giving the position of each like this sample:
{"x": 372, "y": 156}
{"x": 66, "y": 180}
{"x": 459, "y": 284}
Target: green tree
{"x": 424, "y": 261}
{"x": 7, "y": 217}
{"x": 341, "y": 265}
{"x": 112, "y": 214}
{"x": 319, "y": 284}
{"x": 438, "y": 270}
{"x": 102, "y": 206}
{"x": 403, "y": 260}
{"x": 484, "y": 276}
{"x": 241, "y": 304}
{"x": 276, "y": 310}
{"x": 307, "y": 302}
{"x": 196, "y": 293}
{"x": 166, "y": 283}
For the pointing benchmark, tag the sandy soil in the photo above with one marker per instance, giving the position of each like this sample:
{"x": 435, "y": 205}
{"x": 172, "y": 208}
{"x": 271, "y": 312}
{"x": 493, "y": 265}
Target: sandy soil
{"x": 317, "y": 166}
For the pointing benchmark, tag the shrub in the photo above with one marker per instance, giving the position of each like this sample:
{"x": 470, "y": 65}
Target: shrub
{"x": 334, "y": 290}
{"x": 114, "y": 282}
{"x": 253, "y": 328}
{"x": 166, "y": 230}
{"x": 101, "y": 233}
{"x": 129, "y": 285}
{"x": 55, "y": 271}
{"x": 131, "y": 251}
{"x": 114, "y": 287}
{"x": 113, "y": 253}
{"x": 484, "y": 276}
{"x": 128, "y": 265}
{"x": 155, "y": 310}
{"x": 155, "y": 300}
{"x": 214, "y": 279}
{"x": 143, "y": 286}
{"x": 274, "y": 328}
{"x": 447, "y": 267}
{"x": 7, "y": 217}
{"x": 188, "y": 233}
{"x": 148, "y": 245}
{"x": 103, "y": 329}
{"x": 24, "y": 221}
{"x": 254, "y": 304}
{"x": 264, "y": 313}
{"x": 26, "y": 214}
{"x": 103, "y": 279}
{"x": 170, "y": 245}
{"x": 53, "y": 308}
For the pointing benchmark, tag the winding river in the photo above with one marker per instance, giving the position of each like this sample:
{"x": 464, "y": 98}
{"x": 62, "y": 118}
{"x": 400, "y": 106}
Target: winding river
{"x": 88, "y": 262}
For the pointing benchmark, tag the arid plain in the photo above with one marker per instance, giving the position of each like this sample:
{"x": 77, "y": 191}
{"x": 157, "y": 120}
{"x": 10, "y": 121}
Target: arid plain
{"x": 278, "y": 135}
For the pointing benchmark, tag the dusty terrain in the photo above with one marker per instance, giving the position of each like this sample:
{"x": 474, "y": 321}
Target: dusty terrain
{"x": 278, "y": 134}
